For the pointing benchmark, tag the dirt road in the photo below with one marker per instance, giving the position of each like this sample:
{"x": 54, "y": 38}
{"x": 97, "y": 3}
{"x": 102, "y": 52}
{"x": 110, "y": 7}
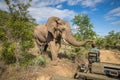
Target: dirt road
{"x": 65, "y": 68}
{"x": 110, "y": 56}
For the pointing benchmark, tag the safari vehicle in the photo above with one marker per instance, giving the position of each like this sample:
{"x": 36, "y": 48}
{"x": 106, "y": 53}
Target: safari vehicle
{"x": 98, "y": 70}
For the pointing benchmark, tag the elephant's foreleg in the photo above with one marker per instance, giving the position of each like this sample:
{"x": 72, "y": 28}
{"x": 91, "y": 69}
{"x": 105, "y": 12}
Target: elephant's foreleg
{"x": 53, "y": 49}
{"x": 58, "y": 47}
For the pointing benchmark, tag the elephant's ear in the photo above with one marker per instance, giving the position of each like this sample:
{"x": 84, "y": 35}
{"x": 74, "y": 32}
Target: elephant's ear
{"x": 52, "y": 24}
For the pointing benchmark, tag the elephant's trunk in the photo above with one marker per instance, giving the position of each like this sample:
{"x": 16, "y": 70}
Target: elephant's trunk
{"x": 71, "y": 40}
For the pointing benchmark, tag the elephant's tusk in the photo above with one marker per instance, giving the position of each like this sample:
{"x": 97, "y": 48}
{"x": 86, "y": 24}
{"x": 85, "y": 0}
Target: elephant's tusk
{"x": 65, "y": 41}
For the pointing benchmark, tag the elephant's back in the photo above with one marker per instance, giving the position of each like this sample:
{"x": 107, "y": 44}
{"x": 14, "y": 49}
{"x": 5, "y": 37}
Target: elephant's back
{"x": 41, "y": 29}
{"x": 40, "y": 32}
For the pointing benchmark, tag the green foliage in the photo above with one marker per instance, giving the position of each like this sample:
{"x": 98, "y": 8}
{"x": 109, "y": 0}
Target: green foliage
{"x": 26, "y": 45}
{"x": 8, "y": 54}
{"x": 26, "y": 59}
{"x": 81, "y": 52}
{"x": 85, "y": 31}
{"x": 100, "y": 42}
{"x": 22, "y": 31}
{"x": 21, "y": 24}
{"x": 110, "y": 41}
{"x": 16, "y": 27}
{"x": 3, "y": 37}
{"x": 75, "y": 52}
{"x": 40, "y": 60}
{"x": 4, "y": 17}
{"x": 85, "y": 27}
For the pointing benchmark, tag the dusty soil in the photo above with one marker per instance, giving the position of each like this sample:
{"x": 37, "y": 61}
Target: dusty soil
{"x": 110, "y": 56}
{"x": 67, "y": 69}
{"x": 64, "y": 68}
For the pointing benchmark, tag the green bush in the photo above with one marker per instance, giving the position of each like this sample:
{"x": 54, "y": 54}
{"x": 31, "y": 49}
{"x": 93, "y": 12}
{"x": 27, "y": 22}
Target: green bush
{"x": 25, "y": 45}
{"x": 16, "y": 27}
{"x": 80, "y": 52}
{"x": 8, "y": 54}
{"x": 2, "y": 35}
{"x": 40, "y": 60}
{"x": 26, "y": 59}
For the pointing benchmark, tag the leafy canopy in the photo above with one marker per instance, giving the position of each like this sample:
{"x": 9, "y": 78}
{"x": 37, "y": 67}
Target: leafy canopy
{"x": 85, "y": 30}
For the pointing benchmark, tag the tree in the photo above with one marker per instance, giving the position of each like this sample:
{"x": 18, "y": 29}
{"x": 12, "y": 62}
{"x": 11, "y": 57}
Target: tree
{"x": 4, "y": 17}
{"x": 85, "y": 27}
{"x": 20, "y": 23}
{"x": 85, "y": 31}
{"x": 16, "y": 29}
{"x": 112, "y": 39}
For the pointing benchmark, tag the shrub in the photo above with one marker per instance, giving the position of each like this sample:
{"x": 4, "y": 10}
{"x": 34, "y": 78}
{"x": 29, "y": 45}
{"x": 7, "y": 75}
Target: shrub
{"x": 26, "y": 59}
{"x": 79, "y": 52}
{"x": 8, "y": 54}
{"x": 40, "y": 60}
{"x": 2, "y": 35}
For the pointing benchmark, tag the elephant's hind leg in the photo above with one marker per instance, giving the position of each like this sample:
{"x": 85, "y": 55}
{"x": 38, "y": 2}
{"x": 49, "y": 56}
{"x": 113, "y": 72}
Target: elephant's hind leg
{"x": 40, "y": 46}
{"x": 45, "y": 47}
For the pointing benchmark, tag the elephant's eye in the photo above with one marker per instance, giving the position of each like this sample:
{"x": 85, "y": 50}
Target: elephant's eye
{"x": 63, "y": 29}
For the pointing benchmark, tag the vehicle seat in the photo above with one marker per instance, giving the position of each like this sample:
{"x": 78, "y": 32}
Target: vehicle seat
{"x": 92, "y": 57}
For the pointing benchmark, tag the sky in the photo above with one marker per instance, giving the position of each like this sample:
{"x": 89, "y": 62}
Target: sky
{"x": 103, "y": 14}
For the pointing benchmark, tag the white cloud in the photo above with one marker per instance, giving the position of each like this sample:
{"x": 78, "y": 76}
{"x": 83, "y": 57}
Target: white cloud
{"x": 109, "y": 18}
{"x": 85, "y": 3}
{"x": 116, "y": 23}
{"x": 59, "y": 6}
{"x": 94, "y": 9}
{"x": 3, "y": 5}
{"x": 113, "y": 15}
{"x": 84, "y": 12}
{"x": 73, "y": 2}
{"x": 115, "y": 12}
{"x": 90, "y": 3}
{"x": 42, "y": 9}
{"x": 43, "y": 3}
{"x": 43, "y": 13}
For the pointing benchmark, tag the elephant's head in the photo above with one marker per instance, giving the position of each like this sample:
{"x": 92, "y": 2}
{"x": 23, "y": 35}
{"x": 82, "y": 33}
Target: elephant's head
{"x": 59, "y": 27}
{"x": 66, "y": 34}
{"x": 52, "y": 24}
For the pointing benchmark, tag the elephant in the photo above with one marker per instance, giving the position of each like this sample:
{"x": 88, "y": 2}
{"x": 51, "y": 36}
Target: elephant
{"x": 51, "y": 34}
{"x": 52, "y": 25}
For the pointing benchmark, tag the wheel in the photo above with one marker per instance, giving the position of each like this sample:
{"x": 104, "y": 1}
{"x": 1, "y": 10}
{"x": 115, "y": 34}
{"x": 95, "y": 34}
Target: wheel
{"x": 82, "y": 78}
{"x": 75, "y": 76}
